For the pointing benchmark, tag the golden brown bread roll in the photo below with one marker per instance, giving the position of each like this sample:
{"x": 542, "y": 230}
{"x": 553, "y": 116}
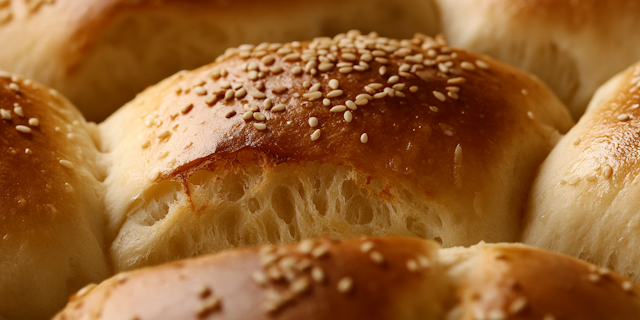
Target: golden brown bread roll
{"x": 51, "y": 209}
{"x": 346, "y": 136}
{"x": 371, "y": 278}
{"x": 573, "y": 46}
{"x": 584, "y": 201}
{"x": 100, "y": 53}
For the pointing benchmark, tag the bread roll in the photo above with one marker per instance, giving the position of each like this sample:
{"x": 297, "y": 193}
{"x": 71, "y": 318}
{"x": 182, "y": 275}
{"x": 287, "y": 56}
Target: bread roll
{"x": 573, "y": 46}
{"x": 584, "y": 200}
{"x": 51, "y": 211}
{"x": 346, "y": 136}
{"x": 375, "y": 278}
{"x": 100, "y": 53}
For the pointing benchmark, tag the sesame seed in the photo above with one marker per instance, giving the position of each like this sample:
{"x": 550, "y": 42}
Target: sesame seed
{"x": 66, "y": 163}
{"x": 593, "y": 277}
{"x": 204, "y": 291}
{"x": 315, "y": 135}
{"x": 23, "y": 129}
{"x": 453, "y": 89}
{"x": 452, "y": 95}
{"x": 313, "y": 122}
{"x": 18, "y": 111}
{"x": 259, "y": 125}
{"x": 278, "y": 107}
{"x": 315, "y": 87}
{"x": 496, "y": 314}
{"x": 349, "y": 56}
{"x": 258, "y": 95}
{"x": 334, "y": 84}
{"x": 382, "y": 70}
{"x": 604, "y": 271}
{"x": 268, "y": 60}
{"x": 351, "y": 105}
{"x": 259, "y": 116}
{"x": 322, "y": 250}
{"x": 334, "y": 93}
{"x": 364, "y": 138}
{"x": 412, "y": 265}
{"x": 187, "y": 108}
{"x": 345, "y": 285}
{"x": 627, "y": 286}
{"x": 524, "y": 92}
{"x": 549, "y": 317}
{"x": 267, "y": 104}
{"x": 345, "y": 69}
{"x": 366, "y": 246}
{"x": 375, "y": 86}
{"x": 276, "y": 69}
{"x": 379, "y": 95}
{"x": 390, "y": 92}
{"x": 404, "y": 68}
{"x": 210, "y": 100}
{"x": 306, "y": 245}
{"x": 229, "y": 94}
{"x": 382, "y": 60}
{"x": 248, "y": 115}
{"x": 517, "y": 305}
{"x": 443, "y": 68}
{"x": 326, "y": 102}
{"x": 467, "y": 65}
{"x": 423, "y": 262}
{"x": 364, "y": 96}
{"x": 344, "y": 64}
{"x": 378, "y": 53}
{"x": 317, "y": 274}
{"x": 300, "y": 285}
{"x": 607, "y": 171}
{"x": 85, "y": 290}
{"x": 393, "y": 79}
{"x": 325, "y": 66}
{"x": 399, "y": 86}
{"x": 292, "y": 57}
{"x": 377, "y": 257}
{"x": 458, "y": 80}
{"x": 296, "y": 70}
{"x": 623, "y": 117}
{"x": 312, "y": 96}
{"x": 240, "y": 93}
{"x": 199, "y": 90}
{"x": 224, "y": 84}
{"x": 164, "y": 134}
{"x": 482, "y": 64}
{"x": 6, "y": 114}
{"x": 348, "y": 116}
{"x": 439, "y": 96}
{"x": 230, "y": 114}
{"x": 413, "y": 89}
{"x": 14, "y": 86}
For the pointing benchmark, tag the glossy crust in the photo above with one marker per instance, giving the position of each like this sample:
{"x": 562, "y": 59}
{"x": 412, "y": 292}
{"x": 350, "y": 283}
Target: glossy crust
{"x": 392, "y": 278}
{"x": 51, "y": 211}
{"x": 568, "y": 44}
{"x": 471, "y": 151}
{"x": 583, "y": 202}
{"x": 107, "y": 51}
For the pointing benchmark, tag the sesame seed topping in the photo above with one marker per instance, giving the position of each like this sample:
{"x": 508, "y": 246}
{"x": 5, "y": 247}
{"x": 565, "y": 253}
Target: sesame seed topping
{"x": 452, "y": 95}
{"x": 164, "y": 134}
{"x": 375, "y": 86}
{"x": 334, "y": 84}
{"x": 258, "y": 95}
{"x": 317, "y": 274}
{"x": 351, "y": 105}
{"x": 259, "y": 116}
{"x": 345, "y": 70}
{"x": 627, "y": 286}
{"x": 229, "y": 94}
{"x": 439, "y": 95}
{"x": 18, "y": 111}
{"x": 607, "y": 171}
{"x": 199, "y": 90}
{"x": 549, "y": 317}
{"x": 345, "y": 285}
{"x": 623, "y": 117}
{"x": 230, "y": 114}
{"x": 496, "y": 314}
{"x": 467, "y": 65}
{"x": 267, "y": 104}
{"x": 458, "y": 80}
{"x": 145, "y": 144}
{"x": 313, "y": 122}
{"x": 85, "y": 290}
{"x": 240, "y": 93}
{"x": 576, "y": 141}
{"x": 517, "y": 305}
{"x": 315, "y": 135}
{"x": 364, "y": 138}
{"x": 482, "y": 64}
{"x": 412, "y": 265}
{"x": 305, "y": 246}
{"x": 593, "y": 277}
{"x": 23, "y": 129}
{"x": 335, "y": 93}
{"x": 187, "y": 108}
{"x": 325, "y": 66}
{"x": 210, "y": 100}
{"x": 300, "y": 285}
{"x": 278, "y": 107}
{"x": 248, "y": 115}
{"x": 349, "y": 56}
{"x": 364, "y": 96}
{"x": 315, "y": 87}
{"x": 322, "y": 250}
{"x": 348, "y": 116}
{"x": 66, "y": 163}
{"x": 312, "y": 96}
{"x": 413, "y": 89}
{"x": 377, "y": 257}
{"x": 6, "y": 114}
{"x": 296, "y": 70}
{"x": 382, "y": 70}
{"x": 393, "y": 79}
{"x": 306, "y": 84}
{"x": 14, "y": 86}
{"x": 366, "y": 246}
{"x": 208, "y": 306}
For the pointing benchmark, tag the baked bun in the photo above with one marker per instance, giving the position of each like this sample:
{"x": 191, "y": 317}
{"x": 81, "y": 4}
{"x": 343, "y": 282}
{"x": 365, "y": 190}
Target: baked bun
{"x": 376, "y": 278}
{"x": 584, "y": 201}
{"x": 51, "y": 211}
{"x": 346, "y": 136}
{"x": 106, "y": 51}
{"x": 573, "y": 46}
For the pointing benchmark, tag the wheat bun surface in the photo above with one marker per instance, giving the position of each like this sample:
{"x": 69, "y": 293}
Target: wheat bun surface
{"x": 369, "y": 278}
{"x": 346, "y": 136}
{"x": 584, "y": 201}
{"x": 51, "y": 211}
{"x": 573, "y": 46}
{"x": 100, "y": 53}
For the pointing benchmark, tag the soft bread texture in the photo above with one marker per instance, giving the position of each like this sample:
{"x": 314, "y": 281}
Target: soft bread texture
{"x": 584, "y": 201}
{"x": 573, "y": 46}
{"x": 51, "y": 211}
{"x": 276, "y": 143}
{"x": 100, "y": 53}
{"x": 370, "y": 278}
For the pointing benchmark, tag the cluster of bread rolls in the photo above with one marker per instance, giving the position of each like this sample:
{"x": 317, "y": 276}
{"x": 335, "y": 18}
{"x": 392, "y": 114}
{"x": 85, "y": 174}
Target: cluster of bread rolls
{"x": 353, "y": 135}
